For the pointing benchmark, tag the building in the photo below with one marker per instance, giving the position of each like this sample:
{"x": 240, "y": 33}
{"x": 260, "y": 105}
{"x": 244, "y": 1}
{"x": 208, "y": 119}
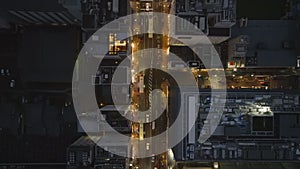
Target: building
{"x": 263, "y": 43}
{"x": 85, "y": 152}
{"x": 255, "y": 125}
{"x": 213, "y": 17}
{"x": 96, "y": 14}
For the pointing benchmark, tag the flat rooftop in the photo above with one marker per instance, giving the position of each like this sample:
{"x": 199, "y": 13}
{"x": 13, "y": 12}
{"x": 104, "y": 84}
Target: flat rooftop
{"x": 273, "y": 42}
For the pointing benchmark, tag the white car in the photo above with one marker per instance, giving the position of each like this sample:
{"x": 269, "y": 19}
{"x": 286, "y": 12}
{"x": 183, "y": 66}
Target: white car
{"x": 147, "y": 118}
{"x": 153, "y": 125}
{"x": 148, "y": 6}
{"x": 141, "y": 84}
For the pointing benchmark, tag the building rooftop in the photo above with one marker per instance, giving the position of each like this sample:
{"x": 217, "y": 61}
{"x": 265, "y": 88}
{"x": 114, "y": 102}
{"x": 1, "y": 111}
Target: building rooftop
{"x": 259, "y": 165}
{"x": 270, "y": 40}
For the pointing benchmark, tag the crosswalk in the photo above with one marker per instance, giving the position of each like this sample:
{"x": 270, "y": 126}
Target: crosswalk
{"x": 150, "y": 85}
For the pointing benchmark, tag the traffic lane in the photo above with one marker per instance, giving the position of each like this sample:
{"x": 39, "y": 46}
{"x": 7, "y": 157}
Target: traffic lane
{"x": 145, "y": 163}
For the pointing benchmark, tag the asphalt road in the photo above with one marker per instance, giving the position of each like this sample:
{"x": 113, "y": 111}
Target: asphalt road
{"x": 153, "y": 79}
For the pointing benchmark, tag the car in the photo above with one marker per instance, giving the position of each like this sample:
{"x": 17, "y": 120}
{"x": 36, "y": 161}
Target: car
{"x": 215, "y": 165}
{"x": 105, "y": 76}
{"x": 148, "y": 6}
{"x": 147, "y": 118}
{"x": 153, "y": 125}
{"x": 141, "y": 84}
{"x": 153, "y": 158}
